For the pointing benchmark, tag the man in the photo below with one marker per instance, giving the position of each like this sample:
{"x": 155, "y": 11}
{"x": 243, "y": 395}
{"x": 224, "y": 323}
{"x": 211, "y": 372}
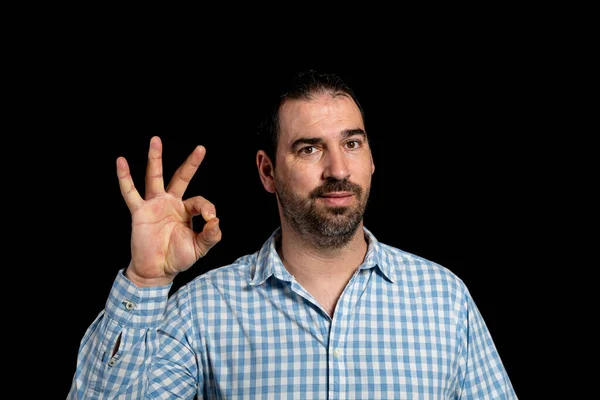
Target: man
{"x": 322, "y": 311}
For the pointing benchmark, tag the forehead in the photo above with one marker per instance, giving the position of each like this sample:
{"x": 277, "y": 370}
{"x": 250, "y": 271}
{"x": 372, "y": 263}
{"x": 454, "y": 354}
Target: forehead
{"x": 324, "y": 115}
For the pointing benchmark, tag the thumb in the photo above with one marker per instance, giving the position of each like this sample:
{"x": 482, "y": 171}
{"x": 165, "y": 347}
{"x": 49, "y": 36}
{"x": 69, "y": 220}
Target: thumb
{"x": 210, "y": 235}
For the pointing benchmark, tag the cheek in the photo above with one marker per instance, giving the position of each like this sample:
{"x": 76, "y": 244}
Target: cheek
{"x": 362, "y": 170}
{"x": 302, "y": 178}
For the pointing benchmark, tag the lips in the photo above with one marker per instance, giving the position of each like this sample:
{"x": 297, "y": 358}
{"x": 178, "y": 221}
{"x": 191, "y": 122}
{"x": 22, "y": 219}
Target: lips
{"x": 338, "y": 194}
{"x": 338, "y": 199}
{"x": 336, "y": 189}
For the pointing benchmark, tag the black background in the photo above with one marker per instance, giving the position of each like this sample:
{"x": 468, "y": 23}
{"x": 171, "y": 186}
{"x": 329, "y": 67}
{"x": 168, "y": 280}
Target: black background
{"x": 459, "y": 130}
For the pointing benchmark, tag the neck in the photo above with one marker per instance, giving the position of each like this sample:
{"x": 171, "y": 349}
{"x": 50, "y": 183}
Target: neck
{"x": 309, "y": 262}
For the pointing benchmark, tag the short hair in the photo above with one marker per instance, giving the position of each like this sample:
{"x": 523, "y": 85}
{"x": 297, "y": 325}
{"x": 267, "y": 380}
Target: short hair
{"x": 301, "y": 86}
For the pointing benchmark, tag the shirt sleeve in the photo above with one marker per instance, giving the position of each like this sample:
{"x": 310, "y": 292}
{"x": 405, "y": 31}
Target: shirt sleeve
{"x": 126, "y": 350}
{"x": 484, "y": 374}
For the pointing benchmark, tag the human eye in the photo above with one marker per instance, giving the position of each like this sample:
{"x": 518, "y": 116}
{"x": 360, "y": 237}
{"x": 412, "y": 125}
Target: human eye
{"x": 353, "y": 144}
{"x": 307, "y": 150}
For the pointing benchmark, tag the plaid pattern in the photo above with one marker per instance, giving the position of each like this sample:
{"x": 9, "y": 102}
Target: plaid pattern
{"x": 404, "y": 328}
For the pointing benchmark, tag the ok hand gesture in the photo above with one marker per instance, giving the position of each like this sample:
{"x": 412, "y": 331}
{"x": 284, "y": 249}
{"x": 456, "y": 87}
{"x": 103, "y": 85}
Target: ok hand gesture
{"x": 163, "y": 242}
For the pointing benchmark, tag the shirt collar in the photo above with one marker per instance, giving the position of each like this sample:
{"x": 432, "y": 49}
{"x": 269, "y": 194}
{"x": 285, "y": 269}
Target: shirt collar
{"x": 269, "y": 264}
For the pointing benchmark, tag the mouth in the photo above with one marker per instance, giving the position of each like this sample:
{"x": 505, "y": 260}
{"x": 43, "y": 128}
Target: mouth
{"x": 337, "y": 199}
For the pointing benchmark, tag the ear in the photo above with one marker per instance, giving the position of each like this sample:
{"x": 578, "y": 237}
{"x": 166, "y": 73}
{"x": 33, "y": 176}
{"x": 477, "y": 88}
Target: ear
{"x": 266, "y": 171}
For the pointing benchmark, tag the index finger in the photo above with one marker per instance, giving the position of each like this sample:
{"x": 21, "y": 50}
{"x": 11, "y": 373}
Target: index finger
{"x": 183, "y": 175}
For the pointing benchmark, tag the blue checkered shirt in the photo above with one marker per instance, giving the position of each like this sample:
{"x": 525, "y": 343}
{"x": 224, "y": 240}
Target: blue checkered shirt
{"x": 404, "y": 328}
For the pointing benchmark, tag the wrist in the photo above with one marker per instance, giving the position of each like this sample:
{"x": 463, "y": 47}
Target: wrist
{"x": 144, "y": 282}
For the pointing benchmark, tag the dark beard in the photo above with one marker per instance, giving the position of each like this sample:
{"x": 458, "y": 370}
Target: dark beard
{"x": 331, "y": 228}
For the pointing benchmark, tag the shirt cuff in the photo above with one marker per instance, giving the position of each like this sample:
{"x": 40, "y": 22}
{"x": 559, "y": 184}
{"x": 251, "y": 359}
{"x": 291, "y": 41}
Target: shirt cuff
{"x": 136, "y": 307}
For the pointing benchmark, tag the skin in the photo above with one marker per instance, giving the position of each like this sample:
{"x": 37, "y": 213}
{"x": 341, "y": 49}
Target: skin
{"x": 322, "y": 181}
{"x": 163, "y": 242}
{"x": 322, "y": 144}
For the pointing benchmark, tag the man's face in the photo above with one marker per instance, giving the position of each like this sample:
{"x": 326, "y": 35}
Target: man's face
{"x": 324, "y": 168}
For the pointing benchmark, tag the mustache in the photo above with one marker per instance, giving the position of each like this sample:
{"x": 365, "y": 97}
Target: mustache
{"x": 336, "y": 186}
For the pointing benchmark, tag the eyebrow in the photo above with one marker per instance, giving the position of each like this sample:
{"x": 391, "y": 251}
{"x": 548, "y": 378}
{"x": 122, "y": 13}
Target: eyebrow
{"x": 315, "y": 140}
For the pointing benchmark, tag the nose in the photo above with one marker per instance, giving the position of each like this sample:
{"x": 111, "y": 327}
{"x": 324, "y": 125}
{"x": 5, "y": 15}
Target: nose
{"x": 336, "y": 165}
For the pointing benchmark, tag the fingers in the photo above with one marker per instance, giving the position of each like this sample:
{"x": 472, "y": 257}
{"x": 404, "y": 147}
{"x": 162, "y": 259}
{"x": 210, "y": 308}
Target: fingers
{"x": 154, "y": 169}
{"x": 154, "y": 175}
{"x": 128, "y": 190}
{"x": 211, "y": 233}
{"x": 200, "y": 206}
{"x": 183, "y": 175}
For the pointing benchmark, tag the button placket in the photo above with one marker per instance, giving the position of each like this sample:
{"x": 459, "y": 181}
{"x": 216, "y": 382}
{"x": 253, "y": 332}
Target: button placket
{"x": 338, "y": 352}
{"x": 129, "y": 305}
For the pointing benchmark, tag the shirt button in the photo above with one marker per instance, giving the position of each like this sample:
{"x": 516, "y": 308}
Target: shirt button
{"x": 337, "y": 353}
{"x": 129, "y": 305}
{"x": 112, "y": 362}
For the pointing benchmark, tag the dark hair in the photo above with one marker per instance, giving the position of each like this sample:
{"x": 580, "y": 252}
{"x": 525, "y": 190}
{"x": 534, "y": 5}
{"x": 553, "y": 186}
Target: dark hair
{"x": 301, "y": 86}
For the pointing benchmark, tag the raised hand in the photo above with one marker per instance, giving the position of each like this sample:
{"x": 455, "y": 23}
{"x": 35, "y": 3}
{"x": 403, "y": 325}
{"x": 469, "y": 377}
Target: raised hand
{"x": 163, "y": 242}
